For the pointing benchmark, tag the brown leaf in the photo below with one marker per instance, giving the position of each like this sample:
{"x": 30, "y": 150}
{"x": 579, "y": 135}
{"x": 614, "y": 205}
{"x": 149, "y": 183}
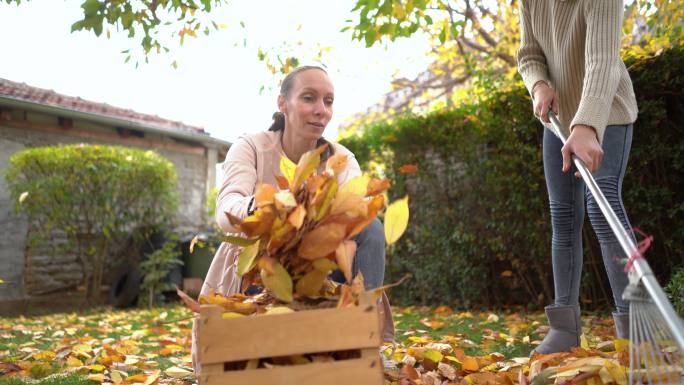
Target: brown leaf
{"x": 409, "y": 372}
{"x": 321, "y": 241}
{"x": 260, "y": 222}
{"x": 344, "y": 255}
{"x": 189, "y": 302}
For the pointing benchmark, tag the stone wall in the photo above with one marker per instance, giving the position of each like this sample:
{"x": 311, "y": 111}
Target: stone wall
{"x": 33, "y": 272}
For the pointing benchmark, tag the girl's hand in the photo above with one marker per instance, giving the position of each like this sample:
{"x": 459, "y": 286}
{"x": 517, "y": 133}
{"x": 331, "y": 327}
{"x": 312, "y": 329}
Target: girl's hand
{"x": 585, "y": 145}
{"x": 544, "y": 98}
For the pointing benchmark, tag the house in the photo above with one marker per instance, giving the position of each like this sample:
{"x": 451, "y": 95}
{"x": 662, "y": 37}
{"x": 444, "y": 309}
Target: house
{"x": 31, "y": 117}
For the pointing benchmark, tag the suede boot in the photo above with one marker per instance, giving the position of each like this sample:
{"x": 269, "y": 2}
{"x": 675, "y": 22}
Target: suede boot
{"x": 566, "y": 328}
{"x": 621, "y": 325}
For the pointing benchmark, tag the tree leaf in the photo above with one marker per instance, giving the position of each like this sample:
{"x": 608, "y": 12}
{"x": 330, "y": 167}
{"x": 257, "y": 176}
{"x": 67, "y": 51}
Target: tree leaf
{"x": 322, "y": 241}
{"x": 396, "y": 220}
{"x": 288, "y": 168}
{"x": 307, "y": 165}
{"x": 311, "y": 283}
{"x": 264, "y": 195}
{"x": 349, "y": 203}
{"x": 357, "y": 185}
{"x": 247, "y": 257}
{"x": 237, "y": 240}
{"x": 344, "y": 255}
{"x": 280, "y": 282}
{"x": 336, "y": 164}
{"x": 297, "y": 216}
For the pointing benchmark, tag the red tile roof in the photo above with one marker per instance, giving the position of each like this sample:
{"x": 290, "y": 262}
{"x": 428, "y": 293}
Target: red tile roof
{"x": 42, "y": 96}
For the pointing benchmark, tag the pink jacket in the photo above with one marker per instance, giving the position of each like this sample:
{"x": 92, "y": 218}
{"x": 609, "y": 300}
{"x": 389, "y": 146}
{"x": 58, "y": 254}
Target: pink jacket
{"x": 251, "y": 160}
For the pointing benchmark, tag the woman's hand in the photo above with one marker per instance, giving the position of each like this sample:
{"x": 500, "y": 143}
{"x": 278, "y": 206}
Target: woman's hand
{"x": 544, "y": 98}
{"x": 585, "y": 145}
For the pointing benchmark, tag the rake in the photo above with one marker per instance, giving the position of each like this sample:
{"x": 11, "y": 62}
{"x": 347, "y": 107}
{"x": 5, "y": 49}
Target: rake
{"x": 656, "y": 340}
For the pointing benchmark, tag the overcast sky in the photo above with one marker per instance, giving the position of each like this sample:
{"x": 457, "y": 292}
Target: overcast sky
{"x": 217, "y": 83}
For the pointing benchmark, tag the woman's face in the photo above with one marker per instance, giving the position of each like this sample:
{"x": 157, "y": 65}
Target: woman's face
{"x": 309, "y": 106}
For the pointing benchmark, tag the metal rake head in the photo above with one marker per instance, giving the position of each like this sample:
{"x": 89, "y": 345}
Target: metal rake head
{"x": 655, "y": 357}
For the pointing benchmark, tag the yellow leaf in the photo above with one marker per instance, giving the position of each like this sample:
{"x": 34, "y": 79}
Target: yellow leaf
{"x": 324, "y": 265}
{"x": 396, "y": 220}
{"x": 136, "y": 378}
{"x": 23, "y": 196}
{"x": 97, "y": 368}
{"x": 433, "y": 355}
{"x": 278, "y": 310}
{"x": 321, "y": 241}
{"x": 116, "y": 376}
{"x": 152, "y": 377}
{"x": 1, "y": 282}
{"x": 621, "y": 345}
{"x": 329, "y": 195}
{"x": 231, "y": 314}
{"x": 280, "y": 282}
{"x": 357, "y": 185}
{"x": 311, "y": 283}
{"x": 96, "y": 377}
{"x": 176, "y": 372}
{"x": 344, "y": 255}
{"x": 194, "y": 241}
{"x": 584, "y": 344}
{"x": 506, "y": 274}
{"x": 73, "y": 362}
{"x": 247, "y": 257}
{"x": 307, "y": 165}
{"x": 287, "y": 167}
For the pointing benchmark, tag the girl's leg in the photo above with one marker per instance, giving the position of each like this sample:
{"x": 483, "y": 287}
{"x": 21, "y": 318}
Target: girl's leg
{"x": 617, "y": 142}
{"x": 370, "y": 255}
{"x": 566, "y": 200}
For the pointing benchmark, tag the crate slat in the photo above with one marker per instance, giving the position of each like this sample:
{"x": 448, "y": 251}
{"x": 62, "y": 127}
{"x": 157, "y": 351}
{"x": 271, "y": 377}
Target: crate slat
{"x": 363, "y": 371}
{"x": 313, "y": 331}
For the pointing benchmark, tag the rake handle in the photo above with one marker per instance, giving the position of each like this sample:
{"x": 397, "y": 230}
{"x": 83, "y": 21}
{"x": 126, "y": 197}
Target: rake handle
{"x": 640, "y": 270}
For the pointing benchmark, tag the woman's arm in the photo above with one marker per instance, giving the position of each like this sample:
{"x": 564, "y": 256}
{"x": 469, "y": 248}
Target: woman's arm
{"x": 531, "y": 60}
{"x": 602, "y": 64}
{"x": 238, "y": 183}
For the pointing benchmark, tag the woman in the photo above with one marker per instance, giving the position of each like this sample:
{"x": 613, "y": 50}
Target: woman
{"x": 305, "y": 107}
{"x": 569, "y": 59}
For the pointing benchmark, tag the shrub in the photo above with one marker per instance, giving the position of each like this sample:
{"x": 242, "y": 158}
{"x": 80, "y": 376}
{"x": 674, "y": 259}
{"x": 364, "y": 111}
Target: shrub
{"x": 92, "y": 195}
{"x": 675, "y": 291}
{"x": 155, "y": 269}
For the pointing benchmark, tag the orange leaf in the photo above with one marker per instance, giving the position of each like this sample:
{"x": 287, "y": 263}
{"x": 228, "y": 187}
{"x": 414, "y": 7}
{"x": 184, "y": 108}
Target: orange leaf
{"x": 470, "y": 364}
{"x": 296, "y": 217}
{"x": 264, "y": 195}
{"x": 260, "y": 222}
{"x": 282, "y": 182}
{"x": 377, "y": 186}
{"x": 350, "y": 204}
{"x": 337, "y": 163}
{"x": 408, "y": 169}
{"x": 321, "y": 241}
{"x": 374, "y": 205}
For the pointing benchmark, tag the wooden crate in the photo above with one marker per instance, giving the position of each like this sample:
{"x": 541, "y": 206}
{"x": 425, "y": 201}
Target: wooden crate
{"x": 225, "y": 342}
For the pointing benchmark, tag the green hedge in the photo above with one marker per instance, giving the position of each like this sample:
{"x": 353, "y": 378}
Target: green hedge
{"x": 479, "y": 232}
{"x": 94, "y": 197}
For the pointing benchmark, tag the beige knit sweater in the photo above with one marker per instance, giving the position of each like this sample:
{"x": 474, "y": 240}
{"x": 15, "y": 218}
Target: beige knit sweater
{"x": 574, "y": 45}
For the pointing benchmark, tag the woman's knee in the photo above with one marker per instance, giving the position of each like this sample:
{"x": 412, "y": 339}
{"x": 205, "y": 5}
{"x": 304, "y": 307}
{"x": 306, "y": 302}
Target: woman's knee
{"x": 611, "y": 190}
{"x": 374, "y": 233}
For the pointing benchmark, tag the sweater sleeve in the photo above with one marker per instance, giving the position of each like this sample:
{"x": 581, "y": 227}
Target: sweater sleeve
{"x": 601, "y": 64}
{"x": 531, "y": 60}
{"x": 237, "y": 187}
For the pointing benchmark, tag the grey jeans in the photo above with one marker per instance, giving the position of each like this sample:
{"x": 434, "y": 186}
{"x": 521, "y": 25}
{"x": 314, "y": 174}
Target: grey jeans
{"x": 567, "y": 196}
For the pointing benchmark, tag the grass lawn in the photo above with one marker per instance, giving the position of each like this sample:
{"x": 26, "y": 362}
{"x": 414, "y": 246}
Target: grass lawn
{"x": 135, "y": 346}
